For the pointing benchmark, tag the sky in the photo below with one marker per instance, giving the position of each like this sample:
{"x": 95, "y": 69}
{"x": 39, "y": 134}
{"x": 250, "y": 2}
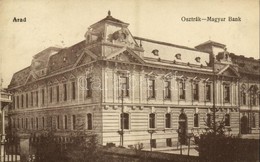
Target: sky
{"x": 62, "y": 23}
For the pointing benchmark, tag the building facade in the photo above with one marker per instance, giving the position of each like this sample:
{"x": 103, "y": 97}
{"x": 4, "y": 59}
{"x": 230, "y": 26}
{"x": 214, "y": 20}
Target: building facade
{"x": 131, "y": 90}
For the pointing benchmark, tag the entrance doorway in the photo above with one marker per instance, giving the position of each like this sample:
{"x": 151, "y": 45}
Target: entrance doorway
{"x": 182, "y": 130}
{"x": 244, "y": 125}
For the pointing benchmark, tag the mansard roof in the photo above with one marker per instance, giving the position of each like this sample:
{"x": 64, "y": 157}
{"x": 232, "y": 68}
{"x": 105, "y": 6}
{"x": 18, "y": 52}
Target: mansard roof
{"x": 65, "y": 58}
{"x": 169, "y": 52}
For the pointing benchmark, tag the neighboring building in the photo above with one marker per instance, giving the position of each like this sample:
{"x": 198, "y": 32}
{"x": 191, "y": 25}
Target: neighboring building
{"x": 165, "y": 88}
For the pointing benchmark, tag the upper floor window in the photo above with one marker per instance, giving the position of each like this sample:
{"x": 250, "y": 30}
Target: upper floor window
{"x": 17, "y": 102}
{"x": 152, "y": 120}
{"x": 89, "y": 121}
{"x": 167, "y": 89}
{"x": 43, "y": 95}
{"x": 196, "y": 120}
{"x": 243, "y": 98}
{"x": 124, "y": 117}
{"x": 168, "y": 120}
{"x": 124, "y": 86}
{"x": 227, "y": 93}
{"x": 182, "y": 90}
{"x": 73, "y": 90}
{"x": 73, "y": 122}
{"x": 64, "y": 92}
{"x": 26, "y": 100}
{"x": 31, "y": 98}
{"x": 227, "y": 120}
{"x": 253, "y": 121}
{"x": 151, "y": 86}
{"x": 57, "y": 93}
{"x": 37, "y": 98}
{"x": 208, "y": 92}
{"x": 65, "y": 122}
{"x": 51, "y": 92}
{"x": 89, "y": 87}
{"x": 196, "y": 91}
{"x": 22, "y": 101}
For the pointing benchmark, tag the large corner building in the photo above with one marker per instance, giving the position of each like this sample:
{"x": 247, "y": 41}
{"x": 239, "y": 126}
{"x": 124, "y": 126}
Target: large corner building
{"x": 131, "y": 90}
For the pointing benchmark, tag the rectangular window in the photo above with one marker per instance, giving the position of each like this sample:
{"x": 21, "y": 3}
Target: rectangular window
{"x": 227, "y": 120}
{"x": 37, "y": 98}
{"x": 43, "y": 95}
{"x": 182, "y": 90}
{"x": 32, "y": 123}
{"x": 195, "y": 91}
{"x": 209, "y": 120}
{"x": 167, "y": 89}
{"x": 58, "y": 122}
{"x": 152, "y": 120}
{"x": 124, "y": 86}
{"x": 31, "y": 99}
{"x": 22, "y": 126}
{"x": 167, "y": 120}
{"x": 43, "y": 123}
{"x": 58, "y": 93}
{"x": 89, "y": 120}
{"x": 65, "y": 92}
{"x": 226, "y": 93}
{"x": 169, "y": 142}
{"x": 124, "y": 121}
{"x": 51, "y": 92}
{"x": 208, "y": 92}
{"x": 26, "y": 100}
{"x": 13, "y": 102}
{"x": 153, "y": 143}
{"x": 243, "y": 97}
{"x": 37, "y": 123}
{"x": 73, "y": 90}
{"x": 196, "y": 120}
{"x": 89, "y": 87}
{"x": 22, "y": 100}
{"x": 17, "y": 102}
{"x": 65, "y": 122}
{"x": 73, "y": 122}
{"x": 26, "y": 123}
{"x": 151, "y": 88}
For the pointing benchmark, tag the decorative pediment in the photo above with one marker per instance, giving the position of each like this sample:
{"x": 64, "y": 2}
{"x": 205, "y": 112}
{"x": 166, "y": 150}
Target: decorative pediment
{"x": 125, "y": 55}
{"x": 152, "y": 74}
{"x": 85, "y": 57}
{"x": 228, "y": 71}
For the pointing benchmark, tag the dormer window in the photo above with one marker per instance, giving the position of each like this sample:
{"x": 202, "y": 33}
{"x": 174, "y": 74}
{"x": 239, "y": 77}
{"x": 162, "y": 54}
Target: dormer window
{"x": 155, "y": 52}
{"x": 178, "y": 56}
{"x": 197, "y": 59}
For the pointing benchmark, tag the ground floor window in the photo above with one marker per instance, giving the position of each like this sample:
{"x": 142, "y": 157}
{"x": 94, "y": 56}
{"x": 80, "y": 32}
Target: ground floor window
{"x": 153, "y": 143}
{"x": 169, "y": 142}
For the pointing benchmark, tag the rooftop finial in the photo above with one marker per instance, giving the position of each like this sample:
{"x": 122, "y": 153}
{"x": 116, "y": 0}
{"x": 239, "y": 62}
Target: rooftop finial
{"x": 109, "y": 13}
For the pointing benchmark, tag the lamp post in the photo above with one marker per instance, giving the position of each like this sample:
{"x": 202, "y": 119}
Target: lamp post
{"x": 151, "y": 131}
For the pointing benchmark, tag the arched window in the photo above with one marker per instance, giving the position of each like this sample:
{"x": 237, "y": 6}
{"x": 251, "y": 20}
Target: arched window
{"x": 124, "y": 118}
{"x": 168, "y": 120}
{"x": 89, "y": 120}
{"x": 227, "y": 120}
{"x": 196, "y": 120}
{"x": 152, "y": 120}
